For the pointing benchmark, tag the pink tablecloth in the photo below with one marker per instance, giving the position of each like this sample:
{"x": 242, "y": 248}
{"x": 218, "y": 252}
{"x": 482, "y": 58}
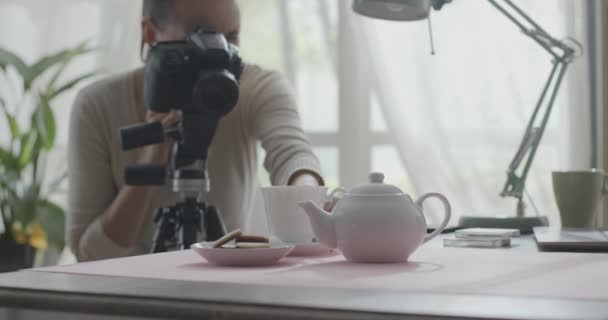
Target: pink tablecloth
{"x": 434, "y": 270}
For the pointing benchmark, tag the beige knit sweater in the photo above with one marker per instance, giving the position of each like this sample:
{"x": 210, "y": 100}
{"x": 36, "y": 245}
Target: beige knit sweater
{"x": 266, "y": 112}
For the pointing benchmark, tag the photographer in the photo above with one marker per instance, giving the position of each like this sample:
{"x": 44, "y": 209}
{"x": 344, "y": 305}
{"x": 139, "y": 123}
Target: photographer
{"x": 108, "y": 219}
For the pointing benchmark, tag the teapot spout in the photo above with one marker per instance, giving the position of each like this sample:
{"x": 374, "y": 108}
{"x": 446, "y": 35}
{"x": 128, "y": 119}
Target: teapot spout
{"x": 322, "y": 222}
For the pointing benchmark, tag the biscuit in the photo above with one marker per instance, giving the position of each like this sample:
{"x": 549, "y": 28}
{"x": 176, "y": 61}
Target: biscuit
{"x": 227, "y": 238}
{"x": 252, "y": 245}
{"x": 252, "y": 238}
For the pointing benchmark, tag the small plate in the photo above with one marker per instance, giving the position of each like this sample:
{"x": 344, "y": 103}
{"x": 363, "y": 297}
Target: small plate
{"x": 234, "y": 257}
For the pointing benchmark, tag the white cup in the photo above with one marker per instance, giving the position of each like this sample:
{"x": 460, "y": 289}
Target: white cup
{"x": 286, "y": 220}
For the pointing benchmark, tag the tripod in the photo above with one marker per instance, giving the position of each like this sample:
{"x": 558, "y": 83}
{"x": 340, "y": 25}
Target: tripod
{"x": 199, "y": 77}
{"x": 180, "y": 226}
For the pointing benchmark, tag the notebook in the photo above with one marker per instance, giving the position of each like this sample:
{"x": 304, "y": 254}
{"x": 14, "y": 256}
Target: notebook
{"x": 565, "y": 239}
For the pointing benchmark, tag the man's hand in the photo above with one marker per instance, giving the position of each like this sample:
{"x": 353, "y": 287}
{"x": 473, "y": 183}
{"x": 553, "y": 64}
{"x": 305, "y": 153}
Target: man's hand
{"x": 159, "y": 153}
{"x": 123, "y": 219}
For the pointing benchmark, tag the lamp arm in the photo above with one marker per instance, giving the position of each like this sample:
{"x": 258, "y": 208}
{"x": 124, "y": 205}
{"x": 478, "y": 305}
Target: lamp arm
{"x": 515, "y": 184}
{"x": 545, "y": 121}
{"x": 562, "y": 55}
{"x": 532, "y": 132}
{"x": 536, "y": 32}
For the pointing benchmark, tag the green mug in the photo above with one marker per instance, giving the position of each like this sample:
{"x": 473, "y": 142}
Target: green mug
{"x": 578, "y": 194}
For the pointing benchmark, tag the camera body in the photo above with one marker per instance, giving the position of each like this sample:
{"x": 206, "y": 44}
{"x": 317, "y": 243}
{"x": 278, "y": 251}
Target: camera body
{"x": 197, "y": 75}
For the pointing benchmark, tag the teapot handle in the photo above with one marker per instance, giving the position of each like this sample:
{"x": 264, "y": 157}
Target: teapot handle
{"x": 446, "y": 219}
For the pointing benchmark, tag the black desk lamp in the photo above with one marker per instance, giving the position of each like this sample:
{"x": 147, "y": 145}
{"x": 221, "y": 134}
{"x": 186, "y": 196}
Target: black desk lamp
{"x": 562, "y": 54}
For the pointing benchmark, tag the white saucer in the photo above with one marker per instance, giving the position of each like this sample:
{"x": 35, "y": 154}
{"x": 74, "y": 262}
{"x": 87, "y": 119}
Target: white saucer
{"x": 242, "y": 257}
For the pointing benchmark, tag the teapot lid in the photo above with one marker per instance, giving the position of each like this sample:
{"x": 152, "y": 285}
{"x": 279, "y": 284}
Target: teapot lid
{"x": 376, "y": 185}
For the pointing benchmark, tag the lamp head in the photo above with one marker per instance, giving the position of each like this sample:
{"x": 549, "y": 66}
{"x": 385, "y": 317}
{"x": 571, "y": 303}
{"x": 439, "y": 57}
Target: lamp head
{"x": 397, "y": 10}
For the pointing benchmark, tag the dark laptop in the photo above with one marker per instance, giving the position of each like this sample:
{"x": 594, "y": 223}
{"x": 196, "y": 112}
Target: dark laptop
{"x": 574, "y": 240}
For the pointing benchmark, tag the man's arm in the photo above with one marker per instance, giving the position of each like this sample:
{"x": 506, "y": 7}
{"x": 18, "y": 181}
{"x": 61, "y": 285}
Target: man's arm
{"x": 122, "y": 221}
{"x": 289, "y": 156}
{"x": 103, "y": 222}
{"x": 91, "y": 186}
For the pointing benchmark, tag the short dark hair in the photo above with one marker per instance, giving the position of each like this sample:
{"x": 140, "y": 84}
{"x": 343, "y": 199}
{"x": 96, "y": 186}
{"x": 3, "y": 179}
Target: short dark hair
{"x": 160, "y": 12}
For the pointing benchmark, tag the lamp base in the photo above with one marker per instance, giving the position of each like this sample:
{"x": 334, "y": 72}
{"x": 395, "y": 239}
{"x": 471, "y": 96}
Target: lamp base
{"x": 525, "y": 225}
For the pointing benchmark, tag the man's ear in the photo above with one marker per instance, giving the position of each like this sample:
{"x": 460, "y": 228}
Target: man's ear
{"x": 148, "y": 31}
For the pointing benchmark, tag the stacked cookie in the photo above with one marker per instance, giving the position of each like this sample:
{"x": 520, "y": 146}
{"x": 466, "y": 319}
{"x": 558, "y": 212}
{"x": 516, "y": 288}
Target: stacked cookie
{"x": 236, "y": 239}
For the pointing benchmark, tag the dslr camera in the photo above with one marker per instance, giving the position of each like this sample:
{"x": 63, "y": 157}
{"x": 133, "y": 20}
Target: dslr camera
{"x": 199, "y": 77}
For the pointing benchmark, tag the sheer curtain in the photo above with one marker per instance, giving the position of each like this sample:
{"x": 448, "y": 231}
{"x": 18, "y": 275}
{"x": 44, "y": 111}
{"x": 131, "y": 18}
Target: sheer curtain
{"x": 458, "y": 116}
{"x": 35, "y": 28}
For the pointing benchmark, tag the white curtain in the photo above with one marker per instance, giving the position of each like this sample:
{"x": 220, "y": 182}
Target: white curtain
{"x": 458, "y": 116}
{"x": 35, "y": 28}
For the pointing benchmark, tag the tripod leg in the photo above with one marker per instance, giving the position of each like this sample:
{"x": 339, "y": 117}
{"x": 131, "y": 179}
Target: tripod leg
{"x": 158, "y": 245}
{"x": 214, "y": 224}
{"x": 190, "y": 223}
{"x": 165, "y": 219}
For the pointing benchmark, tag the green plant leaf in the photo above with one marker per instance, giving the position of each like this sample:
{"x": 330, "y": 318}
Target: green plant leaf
{"x": 52, "y": 219}
{"x": 28, "y": 149}
{"x": 7, "y": 58}
{"x": 7, "y": 160}
{"x": 45, "y": 63}
{"x": 24, "y": 207}
{"x": 7, "y": 184}
{"x": 12, "y": 122}
{"x": 61, "y": 58}
{"x": 45, "y": 123}
{"x": 70, "y": 84}
{"x": 79, "y": 50}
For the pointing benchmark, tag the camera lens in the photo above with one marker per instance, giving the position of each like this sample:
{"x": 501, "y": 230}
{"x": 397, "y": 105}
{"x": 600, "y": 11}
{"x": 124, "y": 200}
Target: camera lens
{"x": 216, "y": 91}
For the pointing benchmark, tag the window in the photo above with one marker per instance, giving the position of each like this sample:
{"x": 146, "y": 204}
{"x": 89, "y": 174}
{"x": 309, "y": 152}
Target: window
{"x": 308, "y": 52}
{"x": 364, "y": 86}
{"x": 364, "y": 96}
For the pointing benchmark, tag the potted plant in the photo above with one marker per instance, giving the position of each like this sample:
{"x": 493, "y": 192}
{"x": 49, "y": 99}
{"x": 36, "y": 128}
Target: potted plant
{"x": 29, "y": 219}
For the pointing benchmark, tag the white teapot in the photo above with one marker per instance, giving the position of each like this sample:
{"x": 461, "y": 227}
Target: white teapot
{"x": 374, "y": 223}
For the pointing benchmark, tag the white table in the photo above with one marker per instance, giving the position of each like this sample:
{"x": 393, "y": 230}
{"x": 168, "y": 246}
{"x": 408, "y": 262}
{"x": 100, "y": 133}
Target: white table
{"x": 37, "y": 295}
